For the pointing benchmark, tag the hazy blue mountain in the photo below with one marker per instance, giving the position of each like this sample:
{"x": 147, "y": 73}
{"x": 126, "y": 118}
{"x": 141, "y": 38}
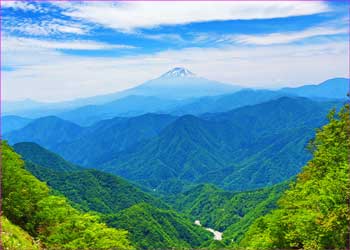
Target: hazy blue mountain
{"x": 222, "y": 103}
{"x": 47, "y": 131}
{"x": 127, "y": 107}
{"x": 201, "y": 97}
{"x": 12, "y": 122}
{"x": 335, "y": 88}
{"x": 13, "y": 106}
{"x": 249, "y": 147}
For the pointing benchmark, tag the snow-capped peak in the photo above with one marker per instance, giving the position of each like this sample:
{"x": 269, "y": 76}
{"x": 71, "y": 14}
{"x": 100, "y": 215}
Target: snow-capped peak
{"x": 178, "y": 72}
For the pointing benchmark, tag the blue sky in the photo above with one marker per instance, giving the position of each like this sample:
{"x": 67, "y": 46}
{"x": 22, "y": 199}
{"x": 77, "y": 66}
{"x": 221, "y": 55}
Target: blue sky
{"x": 54, "y": 51}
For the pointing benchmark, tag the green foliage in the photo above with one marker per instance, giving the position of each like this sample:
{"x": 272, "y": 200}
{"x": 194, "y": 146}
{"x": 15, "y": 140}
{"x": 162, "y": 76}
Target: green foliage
{"x": 93, "y": 190}
{"x": 28, "y": 204}
{"x": 43, "y": 157}
{"x": 66, "y": 228}
{"x": 314, "y": 213}
{"x": 152, "y": 227}
{"x": 228, "y": 212}
{"x": 14, "y": 237}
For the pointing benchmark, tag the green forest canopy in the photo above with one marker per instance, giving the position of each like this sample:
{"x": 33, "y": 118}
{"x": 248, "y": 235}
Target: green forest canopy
{"x": 314, "y": 213}
{"x": 28, "y": 204}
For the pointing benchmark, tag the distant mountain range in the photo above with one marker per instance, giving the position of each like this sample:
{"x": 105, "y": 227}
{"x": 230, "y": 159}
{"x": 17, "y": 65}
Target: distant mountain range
{"x": 176, "y": 92}
{"x": 124, "y": 107}
{"x": 248, "y": 147}
{"x": 176, "y": 84}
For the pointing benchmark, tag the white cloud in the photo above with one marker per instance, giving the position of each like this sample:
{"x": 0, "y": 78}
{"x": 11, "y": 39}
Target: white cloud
{"x": 19, "y": 5}
{"x": 28, "y": 44}
{"x": 287, "y": 37}
{"x": 50, "y": 26}
{"x": 128, "y": 16}
{"x": 45, "y": 74}
{"x": 163, "y": 37}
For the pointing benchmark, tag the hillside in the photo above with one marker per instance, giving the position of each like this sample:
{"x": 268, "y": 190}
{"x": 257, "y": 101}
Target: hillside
{"x": 28, "y": 204}
{"x": 35, "y": 153}
{"x": 159, "y": 228}
{"x": 95, "y": 191}
{"x": 229, "y": 212}
{"x": 14, "y": 237}
{"x": 314, "y": 212}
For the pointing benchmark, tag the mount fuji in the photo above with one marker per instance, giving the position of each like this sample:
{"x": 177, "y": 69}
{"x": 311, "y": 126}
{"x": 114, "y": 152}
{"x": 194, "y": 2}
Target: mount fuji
{"x": 180, "y": 83}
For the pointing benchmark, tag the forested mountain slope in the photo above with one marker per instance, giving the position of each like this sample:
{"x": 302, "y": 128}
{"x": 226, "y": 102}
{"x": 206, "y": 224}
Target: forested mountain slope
{"x": 27, "y": 203}
{"x": 314, "y": 213}
{"x": 14, "y": 237}
{"x": 229, "y": 212}
{"x": 35, "y": 153}
{"x": 114, "y": 198}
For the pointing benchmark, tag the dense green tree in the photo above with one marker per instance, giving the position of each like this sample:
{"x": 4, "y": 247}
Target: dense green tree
{"x": 229, "y": 212}
{"x": 27, "y": 203}
{"x": 150, "y": 222}
{"x": 314, "y": 213}
{"x": 14, "y": 237}
{"x": 152, "y": 228}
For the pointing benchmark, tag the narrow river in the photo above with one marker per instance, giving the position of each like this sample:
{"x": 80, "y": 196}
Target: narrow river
{"x": 217, "y": 234}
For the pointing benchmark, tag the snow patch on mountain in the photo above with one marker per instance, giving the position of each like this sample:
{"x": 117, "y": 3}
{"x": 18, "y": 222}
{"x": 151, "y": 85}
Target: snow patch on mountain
{"x": 178, "y": 72}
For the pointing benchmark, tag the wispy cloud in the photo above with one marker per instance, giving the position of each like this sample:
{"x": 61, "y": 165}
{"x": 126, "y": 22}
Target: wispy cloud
{"x": 128, "y": 16}
{"x": 287, "y": 37}
{"x": 20, "y": 43}
{"x": 53, "y": 76}
{"x": 163, "y": 37}
{"x": 20, "y": 5}
{"x": 48, "y": 27}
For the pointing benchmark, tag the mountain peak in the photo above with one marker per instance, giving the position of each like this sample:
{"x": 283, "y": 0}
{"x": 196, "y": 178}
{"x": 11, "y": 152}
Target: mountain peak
{"x": 178, "y": 72}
